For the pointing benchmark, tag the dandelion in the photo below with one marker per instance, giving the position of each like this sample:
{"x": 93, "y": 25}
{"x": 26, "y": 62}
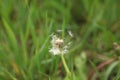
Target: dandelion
{"x": 58, "y": 46}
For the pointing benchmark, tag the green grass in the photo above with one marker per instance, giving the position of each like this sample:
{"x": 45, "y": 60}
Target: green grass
{"x": 25, "y": 29}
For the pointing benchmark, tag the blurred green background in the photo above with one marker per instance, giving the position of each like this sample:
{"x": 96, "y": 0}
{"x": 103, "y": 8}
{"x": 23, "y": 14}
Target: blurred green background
{"x": 25, "y": 28}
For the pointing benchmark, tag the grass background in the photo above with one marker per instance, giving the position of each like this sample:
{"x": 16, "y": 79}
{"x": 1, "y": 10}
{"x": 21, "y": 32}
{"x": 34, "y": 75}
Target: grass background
{"x": 25, "y": 28}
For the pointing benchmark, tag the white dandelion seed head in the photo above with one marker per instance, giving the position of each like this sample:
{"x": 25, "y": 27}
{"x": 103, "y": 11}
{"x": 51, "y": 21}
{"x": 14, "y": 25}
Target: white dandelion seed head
{"x": 58, "y": 46}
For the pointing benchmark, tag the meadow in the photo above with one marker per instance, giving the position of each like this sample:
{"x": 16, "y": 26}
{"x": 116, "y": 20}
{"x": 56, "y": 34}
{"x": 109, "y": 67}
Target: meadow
{"x": 91, "y": 26}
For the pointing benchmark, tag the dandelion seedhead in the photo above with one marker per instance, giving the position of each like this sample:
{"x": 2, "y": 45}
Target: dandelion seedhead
{"x": 58, "y": 46}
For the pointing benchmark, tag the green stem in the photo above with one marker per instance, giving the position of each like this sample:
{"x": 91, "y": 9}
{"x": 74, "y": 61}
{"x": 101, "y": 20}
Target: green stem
{"x": 65, "y": 66}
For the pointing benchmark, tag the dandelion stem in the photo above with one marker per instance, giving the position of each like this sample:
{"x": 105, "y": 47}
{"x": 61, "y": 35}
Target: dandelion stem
{"x": 65, "y": 66}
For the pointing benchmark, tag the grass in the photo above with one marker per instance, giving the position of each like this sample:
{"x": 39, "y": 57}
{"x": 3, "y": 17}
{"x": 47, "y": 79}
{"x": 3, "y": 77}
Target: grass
{"x": 25, "y": 29}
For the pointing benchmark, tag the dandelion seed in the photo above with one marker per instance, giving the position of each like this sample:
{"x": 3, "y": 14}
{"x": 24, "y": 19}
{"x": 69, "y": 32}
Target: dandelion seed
{"x": 58, "y": 46}
{"x": 70, "y": 33}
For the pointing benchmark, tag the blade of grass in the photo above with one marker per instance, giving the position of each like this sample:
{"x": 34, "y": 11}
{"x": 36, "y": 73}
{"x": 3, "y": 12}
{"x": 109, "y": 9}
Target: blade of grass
{"x": 10, "y": 34}
{"x": 110, "y": 69}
